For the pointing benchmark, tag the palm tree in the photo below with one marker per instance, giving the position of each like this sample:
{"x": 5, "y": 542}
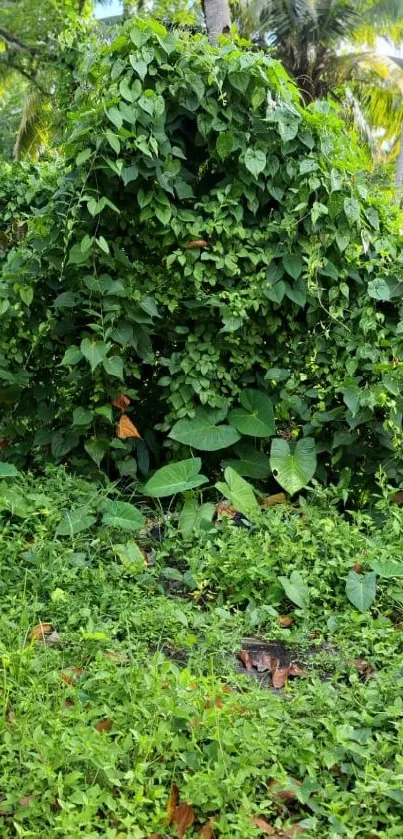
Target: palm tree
{"x": 327, "y": 46}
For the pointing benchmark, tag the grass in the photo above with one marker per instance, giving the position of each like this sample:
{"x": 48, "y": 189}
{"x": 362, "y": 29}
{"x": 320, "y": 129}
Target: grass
{"x": 139, "y": 689}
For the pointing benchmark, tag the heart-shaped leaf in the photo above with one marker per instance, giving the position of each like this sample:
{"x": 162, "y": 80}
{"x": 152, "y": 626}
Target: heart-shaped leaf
{"x": 203, "y": 433}
{"x": 75, "y": 521}
{"x": 238, "y": 492}
{"x": 361, "y": 589}
{"x": 293, "y": 465}
{"x": 296, "y": 589}
{"x": 176, "y": 477}
{"x": 121, "y": 514}
{"x": 255, "y": 418}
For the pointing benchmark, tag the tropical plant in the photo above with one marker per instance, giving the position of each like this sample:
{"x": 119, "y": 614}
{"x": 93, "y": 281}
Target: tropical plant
{"x": 211, "y": 273}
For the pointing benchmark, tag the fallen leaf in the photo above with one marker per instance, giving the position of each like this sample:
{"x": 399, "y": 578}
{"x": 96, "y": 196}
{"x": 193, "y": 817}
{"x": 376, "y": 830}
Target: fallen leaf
{"x": 126, "y": 429}
{"x": 397, "y": 498}
{"x": 173, "y": 802}
{"x": 363, "y": 667}
{"x": 244, "y": 656}
{"x": 285, "y": 621}
{"x": 279, "y": 677}
{"x": 207, "y": 831}
{"x": 357, "y": 567}
{"x": 39, "y": 631}
{"x": 271, "y": 500}
{"x": 72, "y": 674}
{"x": 183, "y": 818}
{"x": 103, "y": 725}
{"x": 112, "y": 655}
{"x": 295, "y": 669}
{"x": 264, "y": 826}
{"x": 197, "y": 243}
{"x": 121, "y": 401}
{"x": 26, "y": 800}
{"x": 224, "y": 508}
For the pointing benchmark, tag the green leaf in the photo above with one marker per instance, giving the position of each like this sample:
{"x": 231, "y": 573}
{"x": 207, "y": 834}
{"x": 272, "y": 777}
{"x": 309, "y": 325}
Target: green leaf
{"x": 195, "y": 517}
{"x": 176, "y": 477}
{"x": 352, "y": 210}
{"x": 379, "y": 289}
{"x": 113, "y": 141}
{"x": 293, "y": 465}
{"x": 97, "y": 449}
{"x": 75, "y": 521}
{"x": 361, "y": 589}
{"x": 251, "y": 463}
{"x": 239, "y": 492}
{"x": 121, "y": 514}
{"x": 296, "y": 589}
{"x": 293, "y": 264}
{"x": 114, "y": 366}
{"x": 83, "y": 156}
{"x": 94, "y": 351}
{"x": 255, "y": 161}
{"x": 71, "y": 357}
{"x": 203, "y": 433}
{"x": 8, "y": 470}
{"x": 82, "y": 416}
{"x": 387, "y": 567}
{"x": 225, "y": 144}
{"x": 255, "y": 418}
{"x": 131, "y": 557}
{"x": 27, "y": 295}
{"x": 317, "y": 211}
{"x": 139, "y": 66}
{"x": 115, "y": 116}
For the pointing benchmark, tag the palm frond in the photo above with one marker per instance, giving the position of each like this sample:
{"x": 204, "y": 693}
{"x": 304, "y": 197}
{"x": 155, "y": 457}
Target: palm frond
{"x": 32, "y": 134}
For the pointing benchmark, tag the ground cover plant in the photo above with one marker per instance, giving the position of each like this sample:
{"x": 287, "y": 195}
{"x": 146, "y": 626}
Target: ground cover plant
{"x": 120, "y": 684}
{"x": 213, "y": 253}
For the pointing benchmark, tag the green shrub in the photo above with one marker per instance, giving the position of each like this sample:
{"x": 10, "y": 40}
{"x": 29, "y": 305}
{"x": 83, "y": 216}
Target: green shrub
{"x": 210, "y": 236}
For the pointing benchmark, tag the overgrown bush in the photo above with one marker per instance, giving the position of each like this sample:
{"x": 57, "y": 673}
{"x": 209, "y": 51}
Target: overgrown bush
{"x": 210, "y": 236}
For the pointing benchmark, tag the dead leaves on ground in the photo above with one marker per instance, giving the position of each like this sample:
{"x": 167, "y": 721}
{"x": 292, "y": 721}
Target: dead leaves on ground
{"x": 121, "y": 401}
{"x": 277, "y": 833}
{"x": 182, "y": 816}
{"x": 263, "y": 662}
{"x": 45, "y": 633}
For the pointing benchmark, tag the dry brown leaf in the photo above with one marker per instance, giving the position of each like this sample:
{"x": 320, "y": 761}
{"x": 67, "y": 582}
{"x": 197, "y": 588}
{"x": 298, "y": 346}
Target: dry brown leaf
{"x": 197, "y": 243}
{"x": 71, "y": 675}
{"x": 126, "y": 429}
{"x": 112, "y": 655}
{"x": 39, "y": 631}
{"x": 224, "y": 508}
{"x": 103, "y": 725}
{"x": 271, "y": 500}
{"x": 357, "y": 567}
{"x": 26, "y": 800}
{"x": 364, "y": 668}
{"x": 183, "y": 818}
{"x": 121, "y": 401}
{"x": 285, "y": 621}
{"x": 397, "y": 498}
{"x": 295, "y": 669}
{"x": 264, "y": 826}
{"x": 173, "y": 802}
{"x": 207, "y": 831}
{"x": 244, "y": 656}
{"x": 294, "y": 830}
{"x": 279, "y": 677}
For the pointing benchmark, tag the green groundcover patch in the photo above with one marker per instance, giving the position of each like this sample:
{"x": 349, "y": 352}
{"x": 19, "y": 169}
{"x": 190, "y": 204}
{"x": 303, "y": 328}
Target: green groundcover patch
{"x": 125, "y": 711}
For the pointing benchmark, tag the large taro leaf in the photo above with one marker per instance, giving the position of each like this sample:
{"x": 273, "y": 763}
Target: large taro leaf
{"x": 176, "y": 477}
{"x": 122, "y": 515}
{"x": 251, "y": 463}
{"x": 293, "y": 465}
{"x": 255, "y": 417}
{"x": 203, "y": 433}
{"x": 361, "y": 589}
{"x": 238, "y": 492}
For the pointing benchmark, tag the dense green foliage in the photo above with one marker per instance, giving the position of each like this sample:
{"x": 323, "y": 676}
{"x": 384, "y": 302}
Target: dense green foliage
{"x": 158, "y": 666}
{"x": 293, "y": 290}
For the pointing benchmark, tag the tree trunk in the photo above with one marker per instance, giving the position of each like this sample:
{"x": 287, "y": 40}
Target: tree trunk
{"x": 218, "y": 18}
{"x": 399, "y": 166}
